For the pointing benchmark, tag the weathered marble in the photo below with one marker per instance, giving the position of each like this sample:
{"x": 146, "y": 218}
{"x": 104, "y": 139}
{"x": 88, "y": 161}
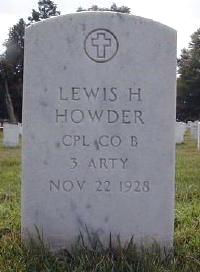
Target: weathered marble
{"x": 20, "y": 129}
{"x": 194, "y": 129}
{"x": 99, "y": 129}
{"x": 198, "y": 137}
{"x": 180, "y": 132}
{"x": 10, "y": 135}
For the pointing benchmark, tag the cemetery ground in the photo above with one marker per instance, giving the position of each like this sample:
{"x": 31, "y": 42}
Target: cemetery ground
{"x": 14, "y": 256}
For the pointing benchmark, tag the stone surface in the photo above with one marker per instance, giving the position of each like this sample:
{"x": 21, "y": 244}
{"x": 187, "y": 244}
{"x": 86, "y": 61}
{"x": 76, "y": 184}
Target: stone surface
{"x": 194, "y": 129}
{"x": 20, "y": 129}
{"x": 198, "y": 137}
{"x": 180, "y": 132}
{"x": 10, "y": 135}
{"x": 99, "y": 129}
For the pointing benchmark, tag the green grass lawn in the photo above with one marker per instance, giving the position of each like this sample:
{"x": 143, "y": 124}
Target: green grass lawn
{"x": 15, "y": 256}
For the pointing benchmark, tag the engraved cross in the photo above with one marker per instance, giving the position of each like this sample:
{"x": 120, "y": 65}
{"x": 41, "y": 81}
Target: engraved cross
{"x": 101, "y": 42}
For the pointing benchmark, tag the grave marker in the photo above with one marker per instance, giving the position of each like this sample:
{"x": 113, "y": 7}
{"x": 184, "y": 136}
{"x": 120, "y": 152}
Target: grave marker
{"x": 99, "y": 129}
{"x": 198, "y": 138}
{"x": 180, "y": 132}
{"x": 10, "y": 135}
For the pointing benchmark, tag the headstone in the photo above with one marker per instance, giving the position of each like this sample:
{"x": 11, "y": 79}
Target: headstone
{"x": 20, "y": 129}
{"x": 10, "y": 135}
{"x": 1, "y": 125}
{"x": 198, "y": 138}
{"x": 180, "y": 132}
{"x": 194, "y": 130}
{"x": 189, "y": 123}
{"x": 99, "y": 129}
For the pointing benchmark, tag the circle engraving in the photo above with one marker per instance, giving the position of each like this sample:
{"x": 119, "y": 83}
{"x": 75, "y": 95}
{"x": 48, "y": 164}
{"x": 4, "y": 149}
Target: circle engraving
{"x": 101, "y": 45}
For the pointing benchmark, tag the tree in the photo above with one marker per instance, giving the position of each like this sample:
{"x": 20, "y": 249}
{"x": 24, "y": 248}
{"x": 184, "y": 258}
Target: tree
{"x": 11, "y": 63}
{"x": 46, "y": 9}
{"x": 114, "y": 8}
{"x": 188, "y": 83}
{"x": 11, "y": 71}
{"x": 5, "y": 72}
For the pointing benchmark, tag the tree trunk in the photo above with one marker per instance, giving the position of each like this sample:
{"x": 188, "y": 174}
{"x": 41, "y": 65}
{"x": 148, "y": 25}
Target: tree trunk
{"x": 9, "y": 104}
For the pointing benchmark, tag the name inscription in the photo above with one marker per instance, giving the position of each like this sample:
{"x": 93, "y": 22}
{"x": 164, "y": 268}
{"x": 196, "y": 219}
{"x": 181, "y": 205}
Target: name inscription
{"x": 107, "y": 95}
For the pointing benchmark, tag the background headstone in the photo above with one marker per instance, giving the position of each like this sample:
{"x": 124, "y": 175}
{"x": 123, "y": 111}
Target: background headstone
{"x": 194, "y": 129}
{"x": 20, "y": 129}
{"x": 99, "y": 129}
{"x": 10, "y": 135}
{"x": 198, "y": 137}
{"x": 180, "y": 132}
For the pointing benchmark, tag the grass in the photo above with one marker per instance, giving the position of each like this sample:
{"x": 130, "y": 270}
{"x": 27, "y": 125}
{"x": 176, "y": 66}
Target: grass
{"x": 17, "y": 257}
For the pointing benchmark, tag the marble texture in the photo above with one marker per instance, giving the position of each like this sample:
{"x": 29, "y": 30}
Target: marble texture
{"x": 10, "y": 135}
{"x": 180, "y": 132}
{"x": 99, "y": 129}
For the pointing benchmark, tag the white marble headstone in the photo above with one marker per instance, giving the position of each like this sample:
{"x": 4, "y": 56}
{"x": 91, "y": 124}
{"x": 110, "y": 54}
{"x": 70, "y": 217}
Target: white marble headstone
{"x": 99, "y": 129}
{"x": 194, "y": 130}
{"x": 10, "y": 135}
{"x": 20, "y": 129}
{"x": 180, "y": 132}
{"x": 198, "y": 137}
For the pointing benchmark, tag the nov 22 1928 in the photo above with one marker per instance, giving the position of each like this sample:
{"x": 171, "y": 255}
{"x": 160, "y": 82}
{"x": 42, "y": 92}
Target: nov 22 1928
{"x": 99, "y": 186}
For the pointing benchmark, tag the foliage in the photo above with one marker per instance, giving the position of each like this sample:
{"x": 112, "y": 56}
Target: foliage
{"x": 11, "y": 62}
{"x": 46, "y": 9}
{"x": 114, "y": 8}
{"x": 11, "y": 69}
{"x": 188, "y": 84}
{"x": 16, "y": 256}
